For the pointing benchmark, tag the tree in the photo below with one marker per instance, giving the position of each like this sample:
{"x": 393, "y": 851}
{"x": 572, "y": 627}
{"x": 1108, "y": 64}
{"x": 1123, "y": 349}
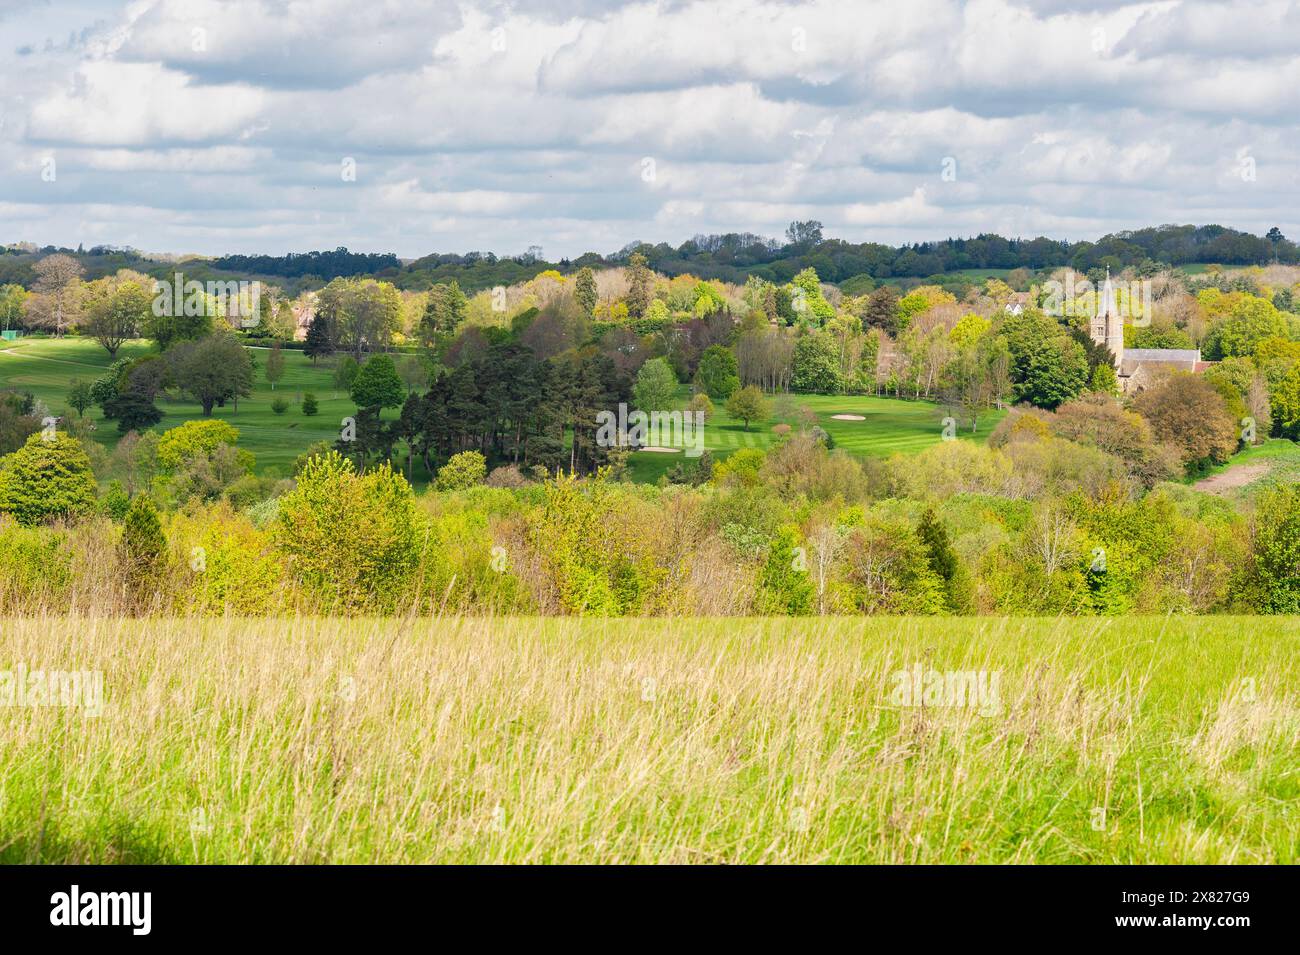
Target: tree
{"x": 1249, "y": 321}
{"x": 371, "y": 312}
{"x": 12, "y": 297}
{"x": 1276, "y": 546}
{"x": 275, "y": 365}
{"x": 816, "y": 364}
{"x": 943, "y": 559}
{"x": 213, "y": 370}
{"x": 656, "y": 386}
{"x": 345, "y": 373}
{"x": 350, "y": 538}
{"x": 1104, "y": 379}
{"x": 320, "y": 338}
{"x": 47, "y": 478}
{"x": 79, "y": 397}
{"x": 1186, "y": 411}
{"x": 132, "y": 411}
{"x": 144, "y": 547}
{"x": 443, "y": 312}
{"x": 179, "y": 444}
{"x": 784, "y": 586}
{"x": 1048, "y": 366}
{"x": 638, "y": 291}
{"x": 701, "y": 405}
{"x": 804, "y": 232}
{"x": 748, "y": 404}
{"x": 1284, "y": 404}
{"x": 584, "y": 290}
{"x": 58, "y": 284}
{"x": 378, "y": 385}
{"x": 309, "y": 405}
{"x": 716, "y": 374}
{"x": 114, "y": 316}
{"x": 882, "y": 309}
{"x": 413, "y": 372}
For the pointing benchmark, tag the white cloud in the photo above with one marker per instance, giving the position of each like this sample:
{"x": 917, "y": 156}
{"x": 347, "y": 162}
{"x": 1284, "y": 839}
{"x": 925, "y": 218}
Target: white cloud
{"x": 488, "y": 125}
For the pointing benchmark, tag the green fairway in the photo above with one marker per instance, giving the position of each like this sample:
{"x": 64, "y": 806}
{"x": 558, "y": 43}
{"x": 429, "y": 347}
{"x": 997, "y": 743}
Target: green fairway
{"x": 889, "y": 425}
{"x": 46, "y": 367}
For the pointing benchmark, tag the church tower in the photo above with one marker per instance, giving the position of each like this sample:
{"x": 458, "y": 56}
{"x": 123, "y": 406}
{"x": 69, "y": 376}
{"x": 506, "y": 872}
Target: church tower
{"x": 1108, "y": 323}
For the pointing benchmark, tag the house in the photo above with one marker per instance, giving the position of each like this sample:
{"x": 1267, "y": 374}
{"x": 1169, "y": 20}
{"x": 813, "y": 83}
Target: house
{"x": 303, "y": 310}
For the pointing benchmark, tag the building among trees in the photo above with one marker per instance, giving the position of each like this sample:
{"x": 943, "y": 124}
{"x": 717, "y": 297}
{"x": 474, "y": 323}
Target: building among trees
{"x": 1137, "y": 368}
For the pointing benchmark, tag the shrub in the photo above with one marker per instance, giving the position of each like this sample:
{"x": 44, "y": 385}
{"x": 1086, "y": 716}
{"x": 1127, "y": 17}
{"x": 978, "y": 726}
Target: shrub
{"x": 309, "y": 405}
{"x": 350, "y": 538}
{"x": 46, "y": 479}
{"x": 462, "y": 471}
{"x": 143, "y": 546}
{"x": 508, "y": 476}
{"x": 35, "y": 567}
{"x": 279, "y": 406}
{"x": 116, "y": 500}
{"x": 233, "y": 567}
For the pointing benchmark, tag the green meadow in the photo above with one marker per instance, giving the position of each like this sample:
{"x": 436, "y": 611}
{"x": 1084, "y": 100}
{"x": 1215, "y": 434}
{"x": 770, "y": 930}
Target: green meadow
{"x": 526, "y": 740}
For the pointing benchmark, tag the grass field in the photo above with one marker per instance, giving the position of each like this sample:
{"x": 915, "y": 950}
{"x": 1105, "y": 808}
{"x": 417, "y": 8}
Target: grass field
{"x": 46, "y": 367}
{"x": 1133, "y": 740}
{"x": 891, "y": 425}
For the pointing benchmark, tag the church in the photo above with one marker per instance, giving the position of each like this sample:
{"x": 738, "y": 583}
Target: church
{"x": 1136, "y": 368}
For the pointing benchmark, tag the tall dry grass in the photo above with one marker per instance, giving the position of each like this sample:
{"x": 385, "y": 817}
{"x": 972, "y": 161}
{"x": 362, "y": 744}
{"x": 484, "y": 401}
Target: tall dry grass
{"x": 652, "y": 741}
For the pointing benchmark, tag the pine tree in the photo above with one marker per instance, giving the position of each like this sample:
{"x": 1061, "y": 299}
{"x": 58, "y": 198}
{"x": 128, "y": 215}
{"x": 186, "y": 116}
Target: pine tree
{"x": 584, "y": 289}
{"x": 143, "y": 545}
{"x": 320, "y": 341}
{"x": 942, "y": 558}
{"x": 638, "y": 292}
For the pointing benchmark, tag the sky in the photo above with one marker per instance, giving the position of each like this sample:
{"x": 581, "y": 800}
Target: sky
{"x": 419, "y": 126}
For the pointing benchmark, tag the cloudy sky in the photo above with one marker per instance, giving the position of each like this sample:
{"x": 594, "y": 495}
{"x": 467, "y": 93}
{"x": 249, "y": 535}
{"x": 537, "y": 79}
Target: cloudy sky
{"x": 206, "y": 126}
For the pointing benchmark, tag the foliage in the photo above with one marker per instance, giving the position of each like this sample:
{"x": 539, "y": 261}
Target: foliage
{"x": 349, "y": 538}
{"x": 716, "y": 374}
{"x": 47, "y": 478}
{"x": 462, "y": 471}
{"x": 177, "y": 445}
{"x": 748, "y": 404}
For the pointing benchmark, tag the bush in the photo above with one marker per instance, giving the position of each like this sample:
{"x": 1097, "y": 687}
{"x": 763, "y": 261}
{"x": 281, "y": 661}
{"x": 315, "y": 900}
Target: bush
{"x": 309, "y": 405}
{"x": 234, "y": 569}
{"x": 47, "y": 479}
{"x": 350, "y": 538}
{"x": 279, "y": 406}
{"x": 35, "y": 567}
{"x": 143, "y": 546}
{"x": 116, "y": 500}
{"x": 508, "y": 476}
{"x": 462, "y": 471}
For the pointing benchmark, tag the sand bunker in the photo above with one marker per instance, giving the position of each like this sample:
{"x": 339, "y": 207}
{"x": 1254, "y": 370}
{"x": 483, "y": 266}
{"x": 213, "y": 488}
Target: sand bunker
{"x": 849, "y": 417}
{"x": 653, "y": 450}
